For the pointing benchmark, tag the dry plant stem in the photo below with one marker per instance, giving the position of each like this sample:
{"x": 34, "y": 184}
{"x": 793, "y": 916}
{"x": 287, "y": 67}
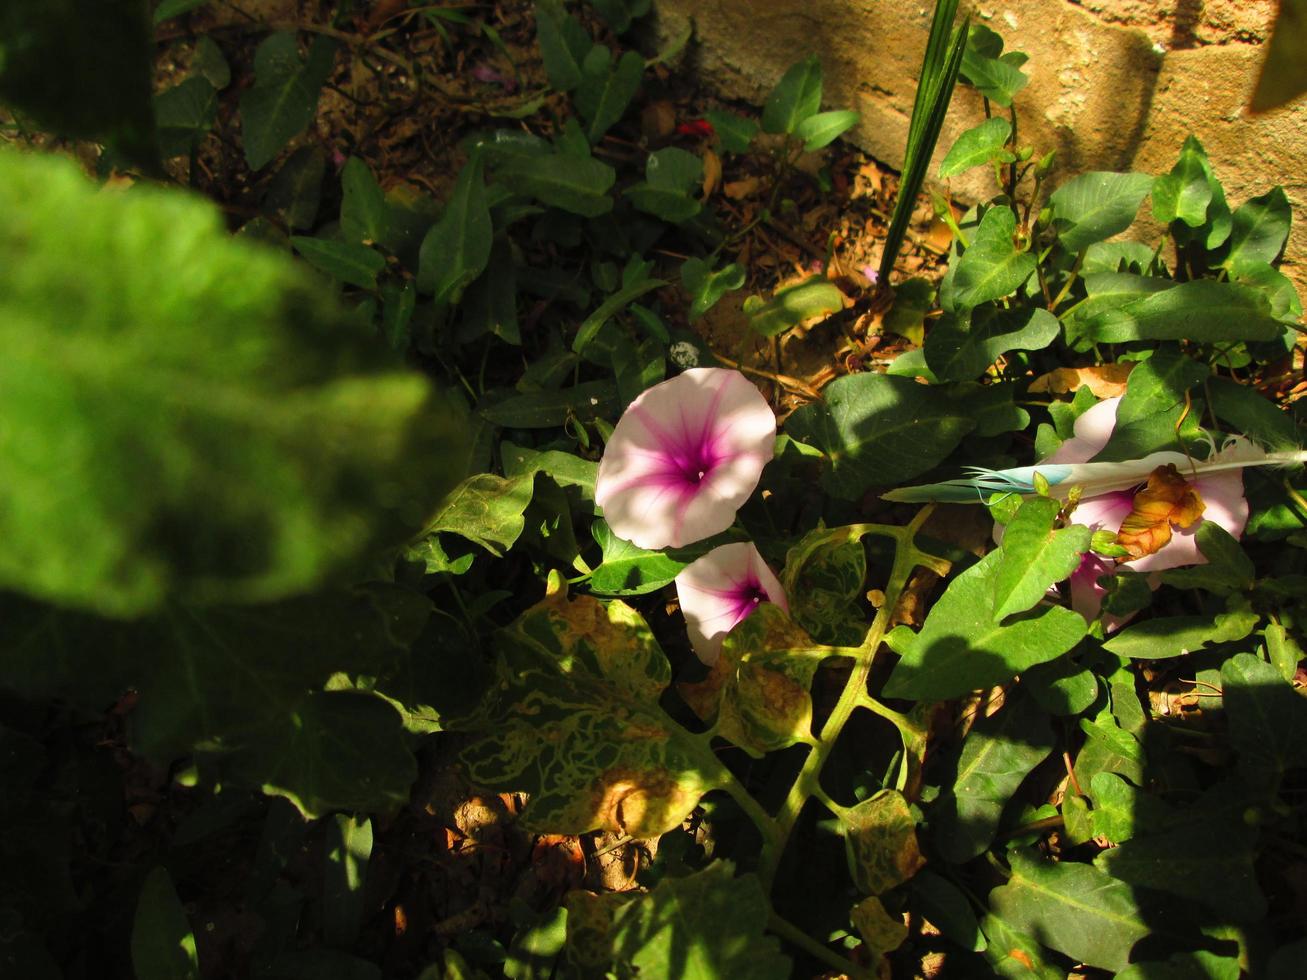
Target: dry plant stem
{"x": 906, "y": 558}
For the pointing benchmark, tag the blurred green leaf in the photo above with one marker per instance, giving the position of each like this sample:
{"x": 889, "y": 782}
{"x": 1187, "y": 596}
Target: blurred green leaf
{"x": 978, "y": 146}
{"x": 221, "y": 431}
{"x": 796, "y": 97}
{"x": 82, "y": 68}
{"x": 184, "y": 114}
{"x": 163, "y": 945}
{"x": 284, "y": 98}
{"x": 167, "y": 9}
{"x": 346, "y": 852}
{"x": 1282, "y": 79}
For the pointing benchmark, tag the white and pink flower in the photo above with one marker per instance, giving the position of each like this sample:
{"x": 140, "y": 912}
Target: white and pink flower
{"x": 718, "y": 592}
{"x": 684, "y": 457}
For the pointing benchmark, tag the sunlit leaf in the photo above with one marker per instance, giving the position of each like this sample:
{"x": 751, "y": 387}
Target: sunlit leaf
{"x": 1259, "y": 229}
{"x": 880, "y": 840}
{"x": 1095, "y": 206}
{"x": 1174, "y": 636}
{"x": 576, "y": 723}
{"x": 792, "y": 305}
{"x": 992, "y": 265}
{"x": 960, "y": 347}
{"x": 825, "y": 127}
{"x": 978, "y": 146}
{"x": 706, "y": 285}
{"x": 961, "y": 647}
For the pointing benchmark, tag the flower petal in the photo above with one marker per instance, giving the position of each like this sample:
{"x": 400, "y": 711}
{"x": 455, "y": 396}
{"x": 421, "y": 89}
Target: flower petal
{"x": 1092, "y": 431}
{"x": 684, "y": 457}
{"x": 719, "y": 590}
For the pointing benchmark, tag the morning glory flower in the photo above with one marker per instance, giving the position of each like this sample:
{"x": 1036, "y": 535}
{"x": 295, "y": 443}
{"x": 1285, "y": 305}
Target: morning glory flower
{"x": 684, "y": 457}
{"x": 718, "y": 591}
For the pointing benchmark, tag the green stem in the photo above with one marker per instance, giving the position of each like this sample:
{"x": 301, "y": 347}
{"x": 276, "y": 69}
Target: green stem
{"x": 1071, "y": 280}
{"x": 797, "y": 937}
{"x": 906, "y": 557}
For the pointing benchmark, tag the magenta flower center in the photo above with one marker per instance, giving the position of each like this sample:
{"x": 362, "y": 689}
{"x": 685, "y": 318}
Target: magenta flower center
{"x": 685, "y": 458}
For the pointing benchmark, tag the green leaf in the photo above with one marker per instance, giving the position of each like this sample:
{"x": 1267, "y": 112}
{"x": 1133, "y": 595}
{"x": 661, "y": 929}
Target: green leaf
{"x": 734, "y": 132}
{"x": 1174, "y": 636}
{"x": 618, "y": 14}
{"x": 706, "y": 286}
{"x": 958, "y": 350}
{"x": 671, "y": 176}
{"x": 1200, "y": 310}
{"x": 825, "y": 127}
{"x": 364, "y": 213}
{"x": 790, "y": 306}
{"x": 167, "y": 9}
{"x": 1281, "y": 79}
{"x": 1153, "y": 415}
{"x": 576, "y": 184}
{"x": 978, "y": 146}
{"x": 1227, "y": 570}
{"x": 948, "y": 909}
{"x": 627, "y": 569}
{"x": 456, "y": 249}
{"x": 1073, "y": 908}
{"x": 962, "y": 648}
{"x": 878, "y": 430}
{"x": 490, "y": 303}
{"x": 1033, "y": 556}
{"x": 1268, "y": 720}
{"x": 563, "y": 468}
{"x": 564, "y": 44}
{"x": 1197, "y": 965}
{"x": 605, "y": 91}
{"x": 486, "y": 509}
{"x": 184, "y": 114}
{"x": 993, "y": 75}
{"x": 284, "y": 97}
{"x": 796, "y": 97}
{"x": 880, "y": 840}
{"x": 546, "y": 409}
{"x": 347, "y": 850}
{"x": 1108, "y": 748}
{"x": 576, "y": 723}
{"x": 83, "y": 69}
{"x": 1185, "y": 193}
{"x": 998, "y": 754}
{"x": 163, "y": 945}
{"x": 881, "y": 932}
{"x": 992, "y": 266}
{"x": 296, "y": 192}
{"x": 1205, "y": 853}
{"x": 355, "y": 265}
{"x": 221, "y": 430}
{"x": 1015, "y": 955}
{"x": 664, "y": 933}
{"x": 1259, "y": 229}
{"x": 1249, "y": 412}
{"x": 209, "y": 62}
{"x": 1096, "y": 206}
{"x": 609, "y": 308}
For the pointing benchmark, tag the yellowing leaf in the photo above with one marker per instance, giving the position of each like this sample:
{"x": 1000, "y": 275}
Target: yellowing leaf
{"x": 1103, "y": 380}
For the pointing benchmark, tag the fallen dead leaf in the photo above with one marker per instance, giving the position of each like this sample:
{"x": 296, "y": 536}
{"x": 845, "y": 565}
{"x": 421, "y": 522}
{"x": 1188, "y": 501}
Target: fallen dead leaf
{"x": 738, "y": 190}
{"x": 1103, "y": 380}
{"x": 712, "y": 172}
{"x": 1168, "y": 501}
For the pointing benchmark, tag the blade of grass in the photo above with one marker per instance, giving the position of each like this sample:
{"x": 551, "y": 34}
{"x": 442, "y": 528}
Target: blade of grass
{"x": 939, "y": 75}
